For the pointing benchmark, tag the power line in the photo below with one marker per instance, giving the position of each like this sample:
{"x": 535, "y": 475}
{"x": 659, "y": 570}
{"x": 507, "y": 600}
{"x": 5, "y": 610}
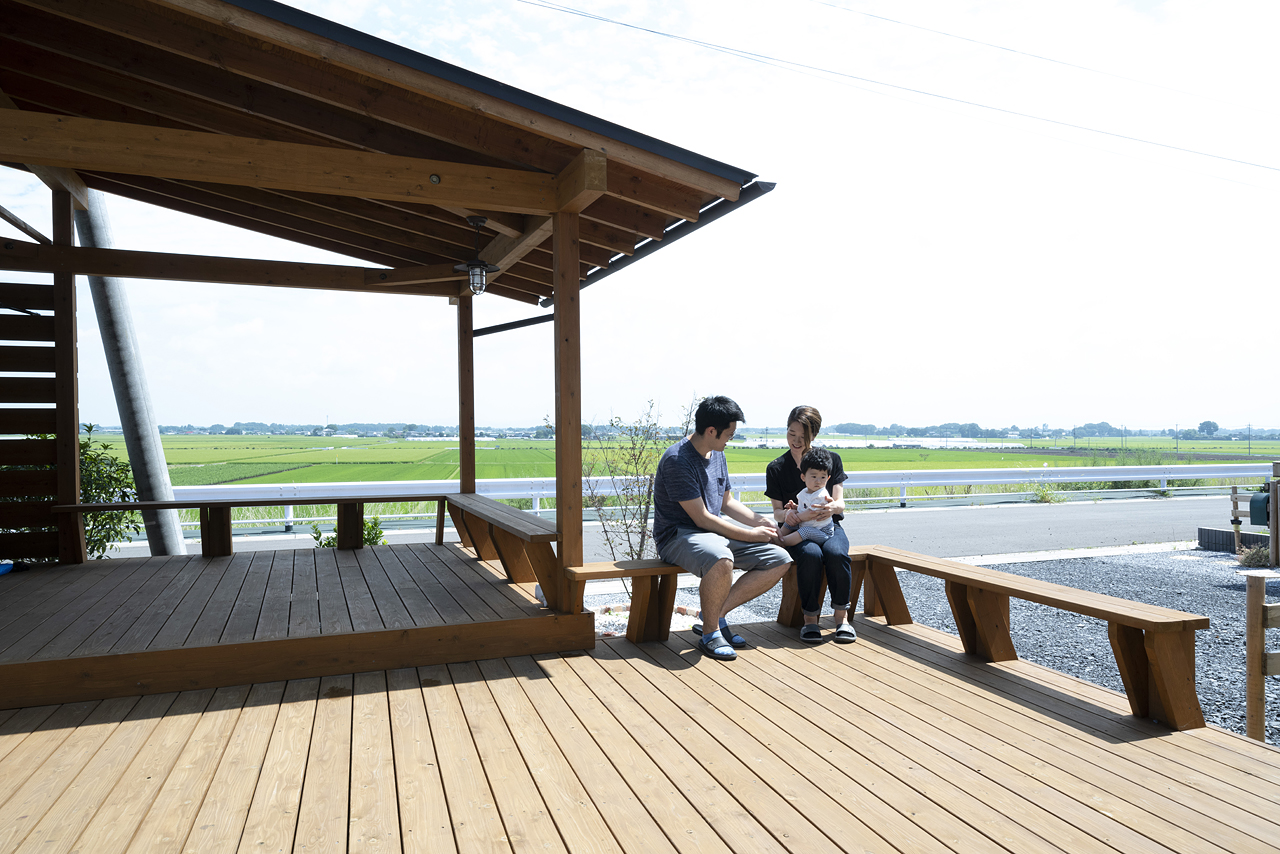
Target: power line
{"x": 778, "y": 61}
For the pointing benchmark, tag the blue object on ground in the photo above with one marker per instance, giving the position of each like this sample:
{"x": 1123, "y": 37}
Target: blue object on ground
{"x": 6, "y": 566}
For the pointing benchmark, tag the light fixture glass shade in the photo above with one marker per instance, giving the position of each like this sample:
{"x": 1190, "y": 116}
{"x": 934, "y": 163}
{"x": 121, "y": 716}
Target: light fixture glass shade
{"x": 477, "y": 280}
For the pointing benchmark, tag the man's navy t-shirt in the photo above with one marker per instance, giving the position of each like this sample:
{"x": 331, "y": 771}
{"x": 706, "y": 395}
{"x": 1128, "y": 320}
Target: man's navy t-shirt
{"x": 683, "y": 473}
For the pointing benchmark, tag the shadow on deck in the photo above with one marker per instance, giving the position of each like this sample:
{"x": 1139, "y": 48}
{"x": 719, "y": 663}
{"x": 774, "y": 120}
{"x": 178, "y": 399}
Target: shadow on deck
{"x": 119, "y": 628}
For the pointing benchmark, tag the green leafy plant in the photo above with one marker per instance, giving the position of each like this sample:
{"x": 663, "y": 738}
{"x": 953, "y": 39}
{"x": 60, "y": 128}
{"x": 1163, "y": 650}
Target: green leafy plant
{"x": 1258, "y": 557}
{"x": 104, "y": 479}
{"x": 371, "y": 536}
{"x": 1044, "y": 492}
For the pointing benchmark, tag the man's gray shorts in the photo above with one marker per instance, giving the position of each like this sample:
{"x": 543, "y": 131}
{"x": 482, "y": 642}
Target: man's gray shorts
{"x": 696, "y": 551}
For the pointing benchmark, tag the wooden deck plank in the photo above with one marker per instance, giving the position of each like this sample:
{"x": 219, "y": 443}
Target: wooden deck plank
{"x": 424, "y": 812}
{"x": 1132, "y": 796}
{"x": 273, "y": 812}
{"x": 1151, "y": 792}
{"x": 273, "y": 620}
{"x": 335, "y": 616}
{"x": 477, "y": 826}
{"x": 415, "y": 600}
{"x": 304, "y": 603}
{"x": 834, "y": 782}
{"x": 582, "y": 827}
{"x": 438, "y": 561}
{"x": 211, "y": 622}
{"x": 74, "y": 628}
{"x": 1073, "y": 706}
{"x": 322, "y": 814}
{"x": 488, "y": 599}
{"x": 122, "y": 618}
{"x": 373, "y": 823}
{"x": 60, "y": 826}
{"x": 441, "y": 597}
{"x": 519, "y": 593}
{"x": 20, "y": 723}
{"x": 699, "y": 783}
{"x": 524, "y": 814}
{"x": 165, "y": 827}
{"x": 20, "y": 592}
{"x": 28, "y": 803}
{"x": 26, "y": 635}
{"x": 386, "y": 598}
{"x": 27, "y": 749}
{"x": 364, "y": 611}
{"x": 114, "y": 824}
{"x": 606, "y": 774}
{"x": 247, "y": 608}
{"x": 178, "y": 626}
{"x": 148, "y": 625}
{"x": 1018, "y": 804}
{"x": 220, "y": 821}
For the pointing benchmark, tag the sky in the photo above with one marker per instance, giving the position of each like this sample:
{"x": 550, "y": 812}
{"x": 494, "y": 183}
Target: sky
{"x": 999, "y": 212}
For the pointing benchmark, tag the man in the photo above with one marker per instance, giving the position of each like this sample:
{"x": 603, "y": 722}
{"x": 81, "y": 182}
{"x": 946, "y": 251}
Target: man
{"x": 690, "y": 493}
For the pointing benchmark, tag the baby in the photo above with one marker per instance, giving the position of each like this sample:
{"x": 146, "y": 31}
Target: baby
{"x": 815, "y": 469}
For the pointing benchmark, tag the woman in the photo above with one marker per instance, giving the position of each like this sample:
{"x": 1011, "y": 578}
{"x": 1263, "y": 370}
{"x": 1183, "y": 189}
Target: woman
{"x": 814, "y": 562}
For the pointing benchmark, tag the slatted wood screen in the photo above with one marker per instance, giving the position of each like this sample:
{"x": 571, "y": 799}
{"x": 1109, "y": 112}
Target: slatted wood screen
{"x": 38, "y": 395}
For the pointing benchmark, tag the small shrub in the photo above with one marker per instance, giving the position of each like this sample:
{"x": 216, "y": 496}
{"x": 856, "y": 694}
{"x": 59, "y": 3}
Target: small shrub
{"x": 1258, "y": 557}
{"x": 372, "y": 535}
{"x": 1044, "y": 493}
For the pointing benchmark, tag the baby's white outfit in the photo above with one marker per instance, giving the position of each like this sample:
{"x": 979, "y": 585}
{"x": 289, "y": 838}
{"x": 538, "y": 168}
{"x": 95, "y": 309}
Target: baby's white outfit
{"x": 807, "y": 500}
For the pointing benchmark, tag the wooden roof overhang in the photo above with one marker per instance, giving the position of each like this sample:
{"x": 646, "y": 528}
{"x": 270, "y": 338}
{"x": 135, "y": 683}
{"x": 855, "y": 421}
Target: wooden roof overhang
{"x": 257, "y": 115}
{"x": 261, "y": 116}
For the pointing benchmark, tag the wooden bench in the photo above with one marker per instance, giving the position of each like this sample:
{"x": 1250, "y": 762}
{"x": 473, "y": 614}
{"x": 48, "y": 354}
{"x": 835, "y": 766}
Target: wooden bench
{"x": 215, "y": 515}
{"x": 520, "y": 541}
{"x": 1154, "y": 647}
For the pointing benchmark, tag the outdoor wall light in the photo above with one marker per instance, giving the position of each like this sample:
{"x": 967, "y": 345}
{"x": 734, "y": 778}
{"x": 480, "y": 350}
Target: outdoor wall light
{"x": 476, "y": 269}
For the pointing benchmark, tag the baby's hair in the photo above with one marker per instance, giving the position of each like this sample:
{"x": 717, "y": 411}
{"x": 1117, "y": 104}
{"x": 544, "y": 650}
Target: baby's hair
{"x": 816, "y": 458}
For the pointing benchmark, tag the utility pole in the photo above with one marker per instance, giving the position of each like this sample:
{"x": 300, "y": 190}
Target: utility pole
{"x": 129, "y": 382}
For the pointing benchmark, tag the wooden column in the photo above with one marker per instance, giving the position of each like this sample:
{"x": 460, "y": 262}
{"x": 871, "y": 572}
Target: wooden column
{"x": 1275, "y": 509}
{"x": 564, "y": 243}
{"x": 71, "y": 543}
{"x": 466, "y": 397}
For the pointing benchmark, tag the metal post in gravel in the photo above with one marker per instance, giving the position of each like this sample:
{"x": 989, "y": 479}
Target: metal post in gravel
{"x": 1275, "y": 506}
{"x": 1259, "y": 616}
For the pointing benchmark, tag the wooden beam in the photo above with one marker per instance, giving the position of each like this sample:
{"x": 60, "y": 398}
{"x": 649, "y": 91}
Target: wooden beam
{"x": 505, "y": 251}
{"x": 32, "y": 257}
{"x": 583, "y": 181}
{"x": 71, "y": 541}
{"x": 466, "y": 396}
{"x": 469, "y": 108}
{"x": 660, "y": 194}
{"x": 19, "y": 223}
{"x": 568, "y": 402}
{"x": 186, "y": 155}
{"x": 54, "y": 178}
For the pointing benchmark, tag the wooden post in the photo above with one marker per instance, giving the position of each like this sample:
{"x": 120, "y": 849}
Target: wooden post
{"x": 1272, "y": 516}
{"x": 466, "y": 397}
{"x": 1255, "y": 645}
{"x": 71, "y": 543}
{"x": 564, "y": 243}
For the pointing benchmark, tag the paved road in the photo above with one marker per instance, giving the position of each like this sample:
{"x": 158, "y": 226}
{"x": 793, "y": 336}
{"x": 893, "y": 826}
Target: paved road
{"x": 945, "y": 531}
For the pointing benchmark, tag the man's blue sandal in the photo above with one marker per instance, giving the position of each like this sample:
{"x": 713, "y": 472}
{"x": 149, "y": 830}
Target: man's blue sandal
{"x": 718, "y": 648}
{"x": 735, "y": 640}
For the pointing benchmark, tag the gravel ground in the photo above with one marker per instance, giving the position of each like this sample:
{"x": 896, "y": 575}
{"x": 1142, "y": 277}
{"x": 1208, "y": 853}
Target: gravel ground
{"x": 1200, "y": 582}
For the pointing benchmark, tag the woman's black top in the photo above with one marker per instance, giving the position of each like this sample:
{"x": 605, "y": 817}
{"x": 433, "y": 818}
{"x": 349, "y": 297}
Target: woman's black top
{"x": 782, "y": 480}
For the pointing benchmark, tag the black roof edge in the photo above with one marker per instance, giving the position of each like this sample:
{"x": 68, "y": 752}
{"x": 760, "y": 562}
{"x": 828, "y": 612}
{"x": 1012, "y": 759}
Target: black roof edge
{"x": 488, "y": 86}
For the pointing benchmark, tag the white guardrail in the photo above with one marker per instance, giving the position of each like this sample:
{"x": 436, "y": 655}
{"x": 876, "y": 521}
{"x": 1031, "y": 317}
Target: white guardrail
{"x": 545, "y": 487}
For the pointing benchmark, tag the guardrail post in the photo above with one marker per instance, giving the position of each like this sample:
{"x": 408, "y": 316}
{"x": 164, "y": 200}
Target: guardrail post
{"x": 288, "y": 518}
{"x": 537, "y": 506}
{"x": 902, "y": 496}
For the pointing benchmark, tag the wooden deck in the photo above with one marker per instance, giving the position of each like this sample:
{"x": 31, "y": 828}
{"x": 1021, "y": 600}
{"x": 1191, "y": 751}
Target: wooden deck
{"x": 898, "y": 743}
{"x": 123, "y": 627}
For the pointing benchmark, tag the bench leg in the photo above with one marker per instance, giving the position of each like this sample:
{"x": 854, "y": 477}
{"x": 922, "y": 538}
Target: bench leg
{"x": 351, "y": 526}
{"x": 1159, "y": 674}
{"x": 860, "y": 579}
{"x": 790, "y": 611}
{"x": 477, "y": 535}
{"x": 440, "y": 511}
{"x": 1171, "y": 657}
{"x": 991, "y": 624}
{"x": 653, "y": 598}
{"x": 966, "y": 626}
{"x": 886, "y": 593}
{"x": 460, "y": 525}
{"x": 215, "y": 531}
{"x": 511, "y": 551}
